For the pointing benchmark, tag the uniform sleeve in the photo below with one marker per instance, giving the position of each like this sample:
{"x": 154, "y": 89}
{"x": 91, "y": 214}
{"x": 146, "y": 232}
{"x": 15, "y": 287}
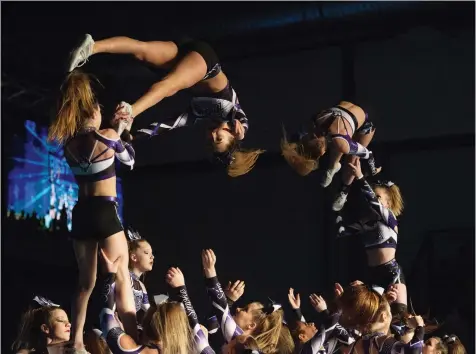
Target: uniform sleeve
{"x": 201, "y": 342}
{"x": 317, "y": 342}
{"x": 385, "y": 214}
{"x": 221, "y": 310}
{"x": 110, "y": 327}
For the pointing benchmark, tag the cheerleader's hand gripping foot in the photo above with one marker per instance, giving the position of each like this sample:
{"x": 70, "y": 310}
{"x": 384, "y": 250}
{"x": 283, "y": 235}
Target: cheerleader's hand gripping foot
{"x": 123, "y": 118}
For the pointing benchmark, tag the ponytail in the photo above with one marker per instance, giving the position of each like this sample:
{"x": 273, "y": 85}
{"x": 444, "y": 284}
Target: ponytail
{"x": 286, "y": 342}
{"x": 301, "y": 157}
{"x": 243, "y": 162}
{"x": 77, "y": 103}
{"x": 396, "y": 200}
{"x": 451, "y": 345}
{"x": 395, "y": 196}
{"x": 267, "y": 334}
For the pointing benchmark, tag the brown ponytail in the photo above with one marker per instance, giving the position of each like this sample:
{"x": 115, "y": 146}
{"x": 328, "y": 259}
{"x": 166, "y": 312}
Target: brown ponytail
{"x": 302, "y": 156}
{"x": 244, "y": 162}
{"x": 77, "y": 103}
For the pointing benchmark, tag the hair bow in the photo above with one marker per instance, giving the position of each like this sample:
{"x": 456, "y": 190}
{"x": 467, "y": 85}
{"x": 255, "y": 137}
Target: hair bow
{"x": 159, "y": 299}
{"x": 385, "y": 183}
{"x": 376, "y": 289}
{"x": 44, "y": 302}
{"x": 133, "y": 234}
{"x": 449, "y": 339}
{"x": 271, "y": 307}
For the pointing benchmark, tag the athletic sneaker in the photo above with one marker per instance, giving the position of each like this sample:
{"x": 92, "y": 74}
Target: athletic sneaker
{"x": 79, "y": 56}
{"x": 329, "y": 175}
{"x": 339, "y": 201}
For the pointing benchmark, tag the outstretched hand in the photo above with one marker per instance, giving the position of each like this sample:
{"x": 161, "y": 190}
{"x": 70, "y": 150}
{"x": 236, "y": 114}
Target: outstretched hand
{"x": 235, "y": 291}
{"x": 338, "y": 290}
{"x": 356, "y": 169}
{"x": 174, "y": 277}
{"x": 415, "y": 321}
{"x": 318, "y": 302}
{"x": 391, "y": 294}
{"x": 208, "y": 261}
{"x": 294, "y": 300}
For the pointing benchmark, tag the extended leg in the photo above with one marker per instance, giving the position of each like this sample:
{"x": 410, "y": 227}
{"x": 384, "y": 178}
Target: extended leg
{"x": 156, "y": 53}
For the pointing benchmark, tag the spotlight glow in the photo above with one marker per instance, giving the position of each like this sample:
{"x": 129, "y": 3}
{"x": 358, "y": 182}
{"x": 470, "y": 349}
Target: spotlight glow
{"x": 41, "y": 180}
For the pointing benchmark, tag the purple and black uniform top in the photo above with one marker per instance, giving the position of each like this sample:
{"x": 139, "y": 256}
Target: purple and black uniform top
{"x": 222, "y": 106}
{"x": 87, "y": 168}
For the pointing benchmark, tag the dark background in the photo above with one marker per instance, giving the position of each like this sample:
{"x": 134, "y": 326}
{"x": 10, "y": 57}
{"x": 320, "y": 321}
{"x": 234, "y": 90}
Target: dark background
{"x": 409, "y": 64}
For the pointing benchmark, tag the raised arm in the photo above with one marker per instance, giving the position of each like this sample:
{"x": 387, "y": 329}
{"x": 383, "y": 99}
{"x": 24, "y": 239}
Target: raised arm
{"x": 117, "y": 340}
{"x": 295, "y": 302}
{"x": 320, "y": 338}
{"x": 415, "y": 346}
{"x": 385, "y": 214}
{"x": 327, "y": 324}
{"x": 178, "y": 292}
{"x": 228, "y": 325}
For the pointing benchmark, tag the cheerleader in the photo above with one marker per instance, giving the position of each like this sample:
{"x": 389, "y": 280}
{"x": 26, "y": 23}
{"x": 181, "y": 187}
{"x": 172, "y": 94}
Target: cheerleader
{"x": 344, "y": 129}
{"x": 91, "y": 153}
{"x": 191, "y": 64}
{"x": 44, "y": 329}
{"x": 378, "y": 231}
{"x": 256, "y": 327}
{"x": 366, "y": 309}
{"x": 167, "y": 327}
{"x": 141, "y": 261}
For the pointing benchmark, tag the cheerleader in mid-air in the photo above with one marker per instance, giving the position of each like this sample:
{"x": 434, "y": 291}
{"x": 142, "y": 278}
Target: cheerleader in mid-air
{"x": 191, "y": 64}
{"x": 342, "y": 129}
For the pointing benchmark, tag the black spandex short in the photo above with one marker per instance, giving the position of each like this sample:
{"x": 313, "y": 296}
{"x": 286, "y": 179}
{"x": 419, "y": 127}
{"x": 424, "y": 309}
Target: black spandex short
{"x": 95, "y": 218}
{"x": 386, "y": 274}
{"x": 188, "y": 45}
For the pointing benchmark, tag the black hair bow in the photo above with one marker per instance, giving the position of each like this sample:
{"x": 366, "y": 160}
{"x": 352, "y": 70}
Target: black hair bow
{"x": 270, "y": 307}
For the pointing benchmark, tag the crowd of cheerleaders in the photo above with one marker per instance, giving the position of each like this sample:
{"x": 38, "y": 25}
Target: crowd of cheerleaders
{"x": 359, "y": 319}
{"x": 362, "y": 318}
